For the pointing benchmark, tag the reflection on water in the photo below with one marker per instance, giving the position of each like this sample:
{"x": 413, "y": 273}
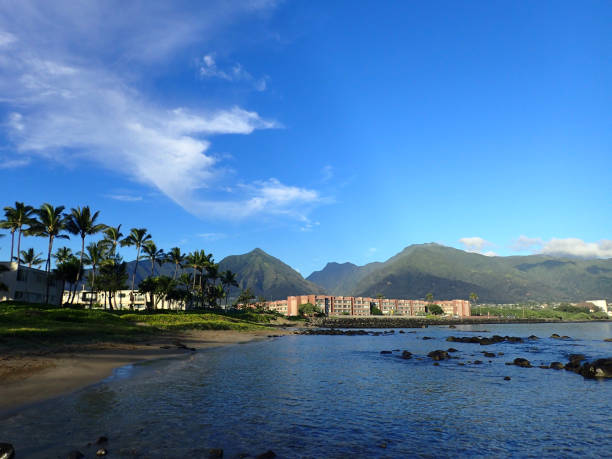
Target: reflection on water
{"x": 337, "y": 396}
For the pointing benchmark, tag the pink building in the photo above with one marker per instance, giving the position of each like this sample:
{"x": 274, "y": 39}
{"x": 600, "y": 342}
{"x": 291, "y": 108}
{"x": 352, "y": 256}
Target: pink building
{"x": 361, "y": 306}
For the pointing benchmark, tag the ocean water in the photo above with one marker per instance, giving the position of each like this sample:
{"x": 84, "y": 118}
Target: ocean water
{"x": 337, "y": 397}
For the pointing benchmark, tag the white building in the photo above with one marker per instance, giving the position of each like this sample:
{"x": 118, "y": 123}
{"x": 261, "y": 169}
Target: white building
{"x": 603, "y": 304}
{"x": 29, "y": 285}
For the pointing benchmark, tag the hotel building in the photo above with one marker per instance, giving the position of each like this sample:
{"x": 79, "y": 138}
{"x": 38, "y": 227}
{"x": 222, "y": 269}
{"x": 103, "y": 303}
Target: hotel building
{"x": 362, "y": 306}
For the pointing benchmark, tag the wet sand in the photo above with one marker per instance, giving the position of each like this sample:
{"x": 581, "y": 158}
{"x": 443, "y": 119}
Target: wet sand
{"x": 38, "y": 374}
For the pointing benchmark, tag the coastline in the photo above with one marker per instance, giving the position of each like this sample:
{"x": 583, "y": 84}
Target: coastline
{"x": 40, "y": 373}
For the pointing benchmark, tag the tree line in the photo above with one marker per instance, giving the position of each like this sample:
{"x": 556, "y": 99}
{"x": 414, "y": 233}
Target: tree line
{"x": 196, "y": 278}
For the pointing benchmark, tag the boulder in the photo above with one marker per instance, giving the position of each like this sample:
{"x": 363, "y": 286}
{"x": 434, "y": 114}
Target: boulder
{"x": 101, "y": 440}
{"x": 600, "y": 368}
{"x": 608, "y": 340}
{"x": 101, "y": 452}
{"x": 477, "y": 362}
{"x": 532, "y": 337}
{"x": 427, "y": 337}
{"x": 521, "y": 362}
{"x": 215, "y": 453}
{"x": 555, "y": 336}
{"x": 488, "y": 354}
{"x": 438, "y": 355}
{"x": 406, "y": 355}
{"x": 574, "y": 362}
{"x": 507, "y": 378}
{"x": 7, "y": 451}
{"x": 402, "y": 331}
{"x": 267, "y": 455}
{"x": 557, "y": 366}
{"x": 386, "y": 352}
{"x": 452, "y": 349}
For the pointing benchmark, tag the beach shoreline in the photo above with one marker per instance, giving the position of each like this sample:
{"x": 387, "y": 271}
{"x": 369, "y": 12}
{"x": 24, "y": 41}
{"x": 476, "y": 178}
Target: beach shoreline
{"x": 40, "y": 373}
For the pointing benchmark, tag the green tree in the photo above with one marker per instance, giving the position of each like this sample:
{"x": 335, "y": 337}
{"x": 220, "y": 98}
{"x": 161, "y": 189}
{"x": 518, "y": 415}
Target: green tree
{"x": 308, "y": 310}
{"x": 177, "y": 258}
{"x": 69, "y": 270}
{"x": 80, "y": 221}
{"x": 112, "y": 278}
{"x": 136, "y": 238}
{"x": 113, "y": 235}
{"x": 228, "y": 279}
{"x": 429, "y": 297}
{"x": 15, "y": 219}
{"x": 154, "y": 254}
{"x": 245, "y": 298}
{"x": 375, "y": 311}
{"x": 31, "y": 258}
{"x": 62, "y": 255}
{"x": 435, "y": 309}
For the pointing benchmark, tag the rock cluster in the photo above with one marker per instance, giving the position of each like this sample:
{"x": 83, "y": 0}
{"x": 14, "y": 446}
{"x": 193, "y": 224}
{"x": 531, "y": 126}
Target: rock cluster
{"x": 484, "y": 341}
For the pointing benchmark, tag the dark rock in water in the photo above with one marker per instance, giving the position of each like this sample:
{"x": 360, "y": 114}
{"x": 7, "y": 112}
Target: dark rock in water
{"x": 438, "y": 355}
{"x": 544, "y": 367}
{"x": 402, "y": 331}
{"x": 101, "y": 452}
{"x": 452, "y": 349}
{"x": 427, "y": 337}
{"x": 565, "y": 337}
{"x": 507, "y": 378}
{"x": 436, "y": 364}
{"x": 7, "y": 451}
{"x": 382, "y": 444}
{"x": 500, "y": 353}
{"x": 521, "y": 362}
{"x": 386, "y": 352}
{"x": 555, "y": 336}
{"x": 451, "y": 326}
{"x": 484, "y": 341}
{"x": 395, "y": 350}
{"x": 215, "y": 453}
{"x": 406, "y": 355}
{"x": 102, "y": 439}
{"x": 460, "y": 363}
{"x": 423, "y": 326}
{"x": 267, "y": 455}
{"x": 488, "y": 354}
{"x": 608, "y": 340}
{"x": 600, "y": 368}
{"x": 574, "y": 362}
{"x": 557, "y": 366}
{"x": 75, "y": 455}
{"x": 477, "y": 362}
{"x": 532, "y": 337}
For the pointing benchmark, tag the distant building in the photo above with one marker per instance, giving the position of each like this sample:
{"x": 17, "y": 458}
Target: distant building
{"x": 29, "y": 284}
{"x": 603, "y": 304}
{"x": 362, "y": 306}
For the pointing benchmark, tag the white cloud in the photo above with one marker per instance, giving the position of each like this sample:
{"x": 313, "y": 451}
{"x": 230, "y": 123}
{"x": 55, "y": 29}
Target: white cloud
{"x": 124, "y": 197}
{"x": 578, "y": 248}
{"x": 237, "y": 73}
{"x": 327, "y": 173}
{"x": 490, "y": 253}
{"x": 66, "y": 105}
{"x": 524, "y": 243}
{"x": 476, "y": 244}
{"x": 212, "y": 236}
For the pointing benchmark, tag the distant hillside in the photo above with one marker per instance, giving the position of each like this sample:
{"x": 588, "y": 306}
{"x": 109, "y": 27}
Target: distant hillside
{"x": 267, "y": 276}
{"x": 450, "y": 273}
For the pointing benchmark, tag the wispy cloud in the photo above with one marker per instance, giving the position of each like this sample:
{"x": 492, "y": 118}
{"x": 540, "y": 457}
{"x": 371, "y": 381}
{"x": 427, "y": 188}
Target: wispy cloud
{"x": 524, "y": 243}
{"x": 477, "y": 245}
{"x": 124, "y": 197}
{"x": 66, "y": 105}
{"x": 235, "y": 73}
{"x": 578, "y": 248}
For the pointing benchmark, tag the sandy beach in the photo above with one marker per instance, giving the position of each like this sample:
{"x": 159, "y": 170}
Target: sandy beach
{"x": 33, "y": 375}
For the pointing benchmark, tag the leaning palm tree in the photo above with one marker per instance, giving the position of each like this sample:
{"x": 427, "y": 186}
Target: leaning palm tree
{"x": 16, "y": 217}
{"x": 154, "y": 254}
{"x": 30, "y": 257}
{"x": 175, "y": 256}
{"x": 228, "y": 278}
{"x": 112, "y": 235}
{"x": 136, "y": 238}
{"x": 80, "y": 221}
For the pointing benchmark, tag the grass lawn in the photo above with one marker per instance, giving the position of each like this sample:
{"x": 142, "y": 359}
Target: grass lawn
{"x": 42, "y": 323}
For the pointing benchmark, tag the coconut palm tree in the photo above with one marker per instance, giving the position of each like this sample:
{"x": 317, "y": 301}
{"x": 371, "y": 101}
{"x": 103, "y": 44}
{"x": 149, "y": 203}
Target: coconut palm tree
{"x": 62, "y": 255}
{"x": 16, "y": 217}
{"x": 30, "y": 257}
{"x": 80, "y": 221}
{"x": 112, "y": 234}
{"x": 154, "y": 254}
{"x": 136, "y": 238}
{"x": 96, "y": 254}
{"x": 175, "y": 256}
{"x": 195, "y": 261}
{"x": 228, "y": 278}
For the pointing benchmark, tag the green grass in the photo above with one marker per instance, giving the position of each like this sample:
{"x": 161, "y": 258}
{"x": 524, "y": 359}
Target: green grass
{"x": 545, "y": 313}
{"x": 44, "y": 323}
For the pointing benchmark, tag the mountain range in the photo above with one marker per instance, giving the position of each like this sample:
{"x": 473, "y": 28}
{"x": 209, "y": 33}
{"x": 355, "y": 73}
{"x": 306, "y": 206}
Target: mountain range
{"x": 419, "y": 269}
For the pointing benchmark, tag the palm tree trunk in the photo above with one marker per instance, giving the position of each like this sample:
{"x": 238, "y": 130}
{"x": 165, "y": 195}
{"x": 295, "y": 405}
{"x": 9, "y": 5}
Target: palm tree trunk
{"x": 19, "y": 250}
{"x": 12, "y": 243}
{"x": 134, "y": 278}
{"x": 93, "y": 285}
{"x": 153, "y": 267}
{"x": 175, "y": 271}
{"x": 48, "y": 268}
{"x": 81, "y": 259}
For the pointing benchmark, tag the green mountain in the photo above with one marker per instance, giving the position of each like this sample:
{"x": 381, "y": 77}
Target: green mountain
{"x": 267, "y": 276}
{"x": 450, "y": 273}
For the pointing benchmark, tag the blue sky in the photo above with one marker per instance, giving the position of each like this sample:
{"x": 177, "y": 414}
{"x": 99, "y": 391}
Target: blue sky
{"x": 317, "y": 131}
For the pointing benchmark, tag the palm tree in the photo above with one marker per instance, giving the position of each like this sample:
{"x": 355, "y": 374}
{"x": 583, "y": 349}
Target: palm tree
{"x": 30, "y": 258}
{"x": 112, "y": 234}
{"x": 62, "y": 255}
{"x": 83, "y": 222}
{"x": 154, "y": 254}
{"x": 175, "y": 256}
{"x": 137, "y": 237}
{"x": 228, "y": 278}
{"x": 195, "y": 261}
{"x": 16, "y": 217}
{"x": 95, "y": 256}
